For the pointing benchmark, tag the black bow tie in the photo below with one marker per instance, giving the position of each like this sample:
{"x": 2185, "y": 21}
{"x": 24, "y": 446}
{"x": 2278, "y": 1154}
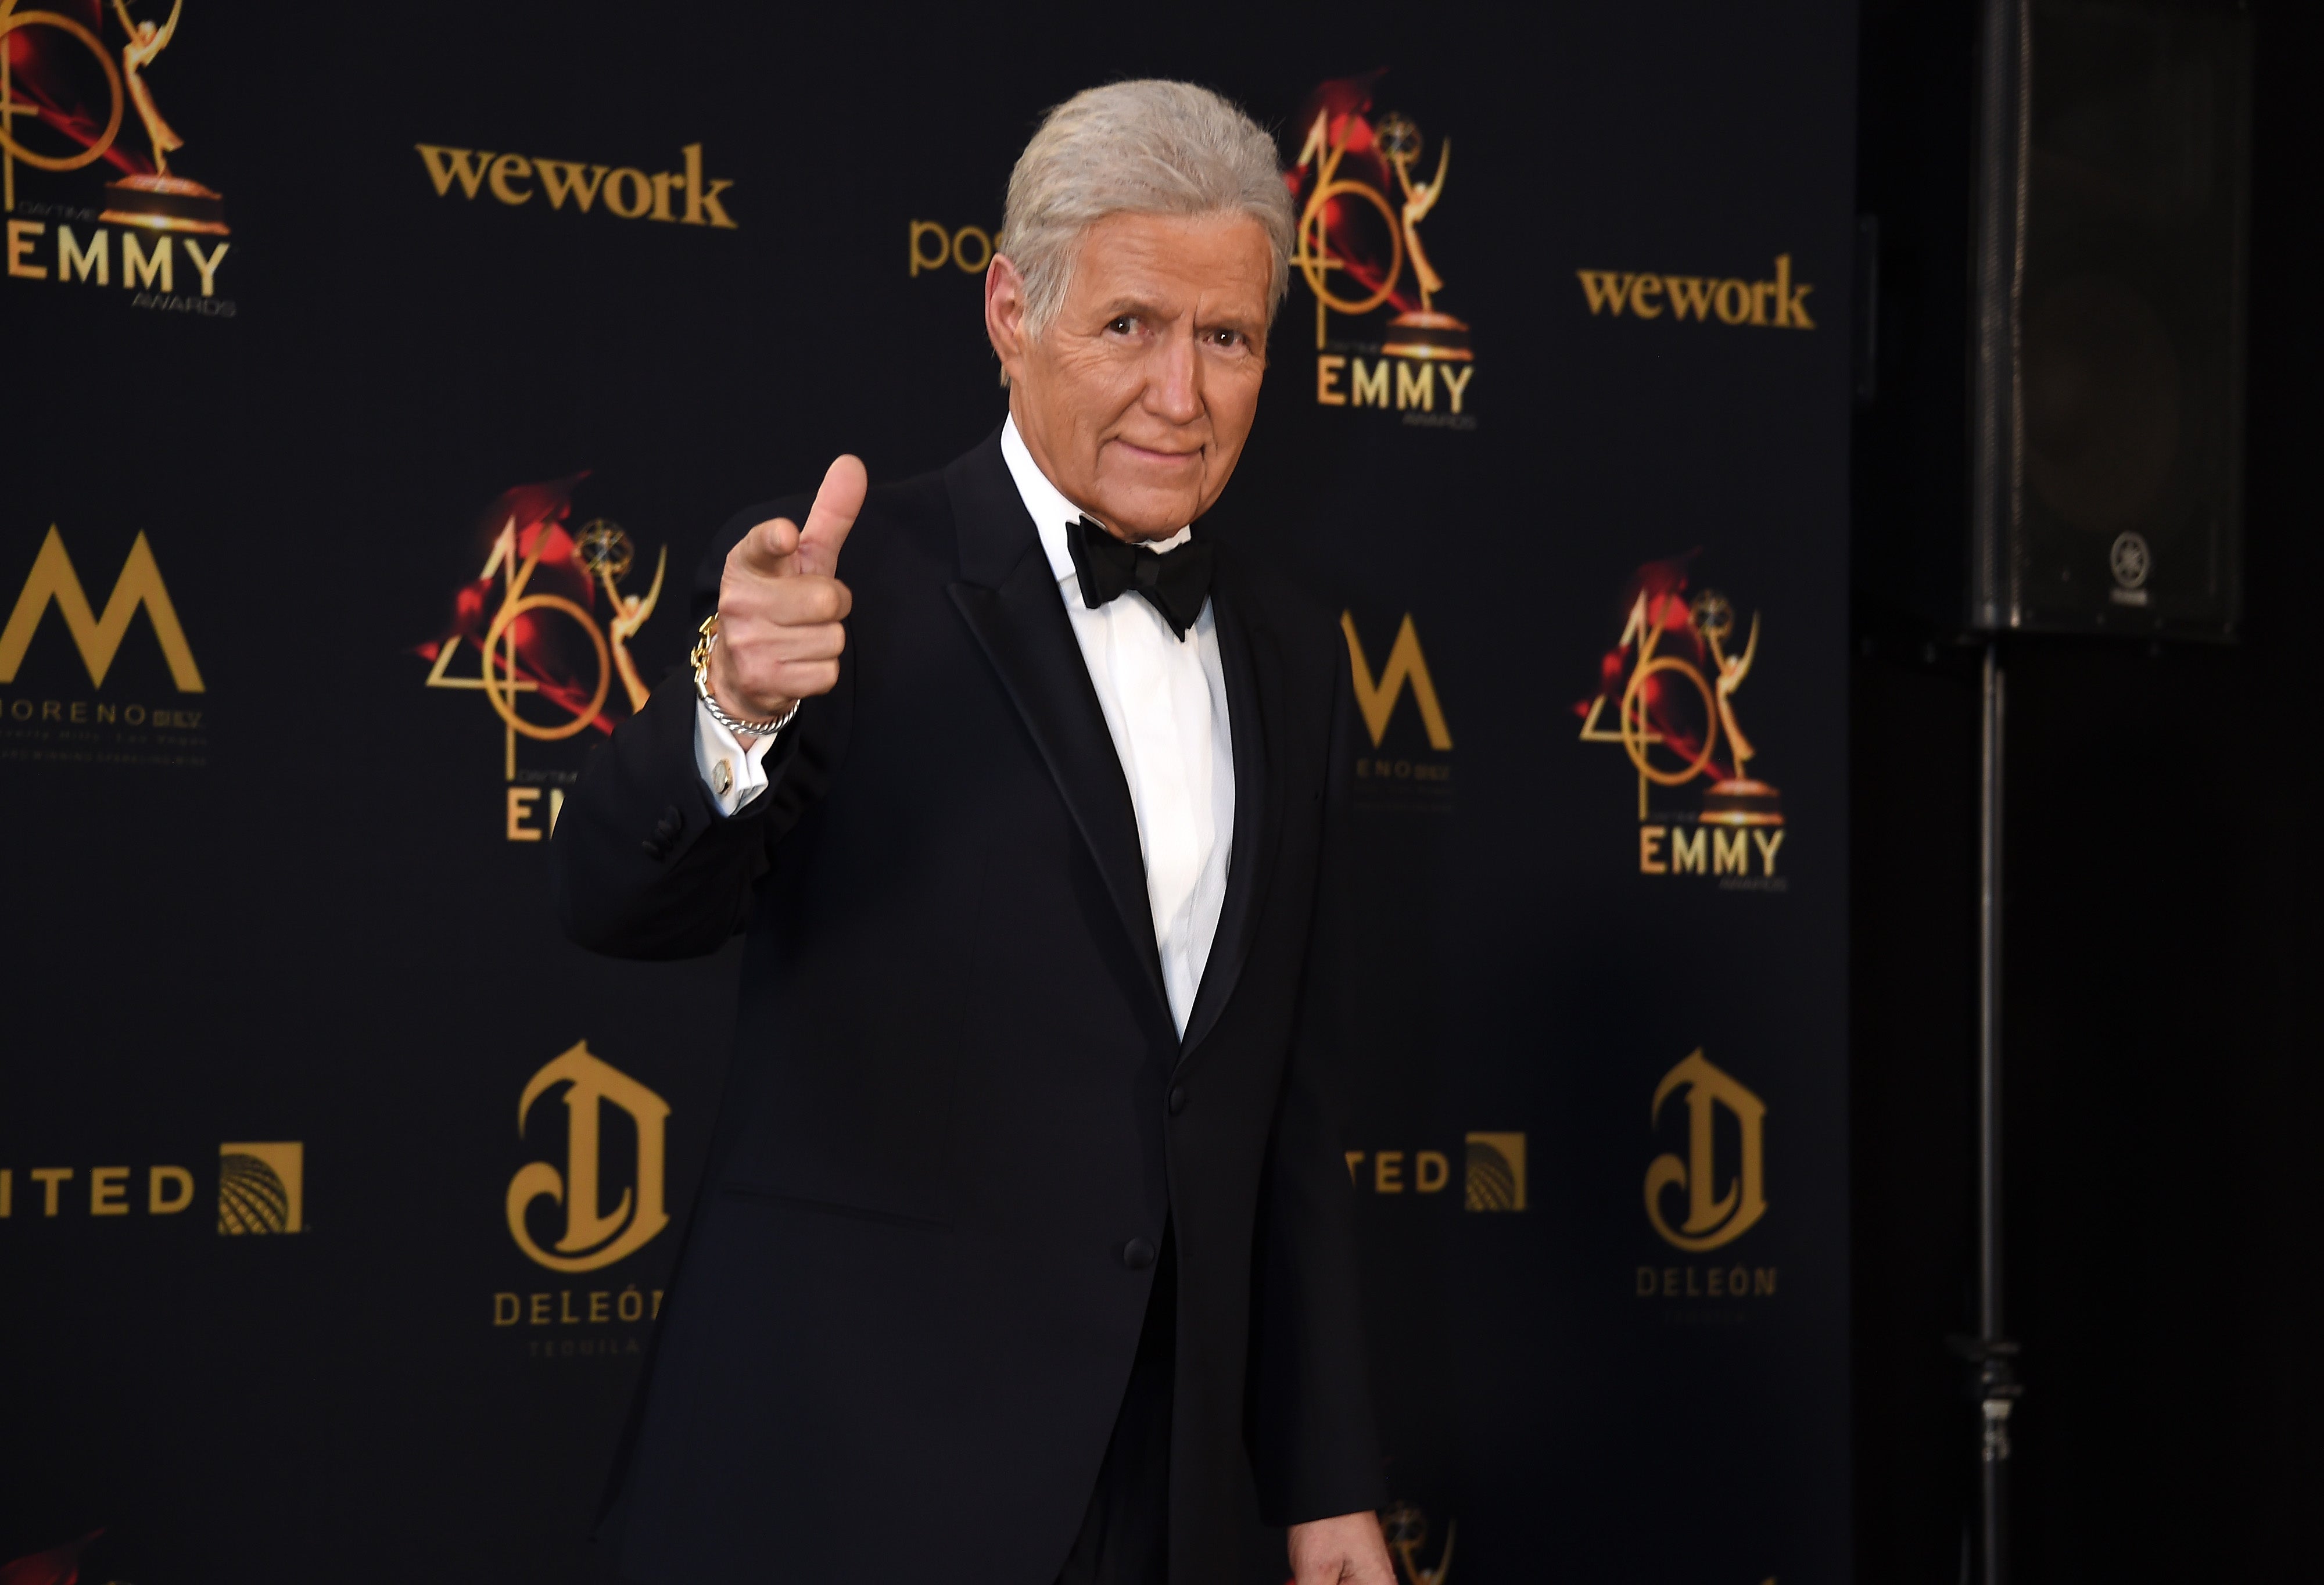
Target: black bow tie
{"x": 1176, "y": 583}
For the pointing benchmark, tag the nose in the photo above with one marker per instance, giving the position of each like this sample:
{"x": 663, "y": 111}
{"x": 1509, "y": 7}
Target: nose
{"x": 1174, "y": 378}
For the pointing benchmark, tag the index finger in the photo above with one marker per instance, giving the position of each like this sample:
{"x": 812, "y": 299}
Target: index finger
{"x": 770, "y": 549}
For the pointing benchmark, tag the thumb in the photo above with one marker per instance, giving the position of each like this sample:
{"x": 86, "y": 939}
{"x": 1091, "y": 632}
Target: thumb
{"x": 833, "y": 514}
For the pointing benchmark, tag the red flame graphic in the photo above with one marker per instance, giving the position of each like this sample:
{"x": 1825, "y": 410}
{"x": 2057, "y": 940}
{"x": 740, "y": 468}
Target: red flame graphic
{"x": 552, "y": 652}
{"x": 53, "y": 72}
{"x": 1352, "y": 228}
{"x": 59, "y": 1565}
{"x": 1673, "y": 710}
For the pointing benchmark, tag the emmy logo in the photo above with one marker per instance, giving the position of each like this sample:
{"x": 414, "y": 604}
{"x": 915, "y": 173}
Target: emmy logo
{"x": 1336, "y": 242}
{"x": 1712, "y": 1218}
{"x": 592, "y": 1237}
{"x": 39, "y": 79}
{"x": 535, "y": 597}
{"x": 1675, "y": 705}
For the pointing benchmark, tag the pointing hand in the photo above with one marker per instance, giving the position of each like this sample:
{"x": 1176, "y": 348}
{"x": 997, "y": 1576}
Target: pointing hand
{"x": 780, "y": 606}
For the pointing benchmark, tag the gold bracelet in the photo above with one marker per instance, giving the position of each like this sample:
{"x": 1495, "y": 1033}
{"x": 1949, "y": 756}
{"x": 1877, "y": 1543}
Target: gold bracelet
{"x": 702, "y": 647}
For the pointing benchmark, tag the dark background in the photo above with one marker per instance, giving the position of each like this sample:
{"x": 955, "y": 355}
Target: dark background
{"x": 2161, "y": 1084}
{"x": 323, "y": 934}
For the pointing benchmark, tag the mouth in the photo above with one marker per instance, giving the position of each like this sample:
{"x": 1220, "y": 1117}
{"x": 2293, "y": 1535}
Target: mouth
{"x": 1154, "y": 457}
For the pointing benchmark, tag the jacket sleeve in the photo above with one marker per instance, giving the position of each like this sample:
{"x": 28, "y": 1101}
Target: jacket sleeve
{"x": 1314, "y": 1447}
{"x": 643, "y": 862}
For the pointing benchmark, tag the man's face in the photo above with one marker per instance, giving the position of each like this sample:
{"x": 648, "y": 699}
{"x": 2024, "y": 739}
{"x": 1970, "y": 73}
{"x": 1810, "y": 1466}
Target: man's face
{"x": 1135, "y": 400}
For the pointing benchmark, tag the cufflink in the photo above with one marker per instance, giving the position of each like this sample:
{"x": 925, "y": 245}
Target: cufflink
{"x": 721, "y": 776}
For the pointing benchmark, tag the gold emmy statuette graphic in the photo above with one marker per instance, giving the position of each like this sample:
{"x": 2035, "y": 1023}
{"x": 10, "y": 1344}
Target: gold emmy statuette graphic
{"x": 261, "y": 1187}
{"x": 160, "y": 201}
{"x": 1712, "y": 1219}
{"x": 1406, "y": 1529}
{"x": 606, "y": 554}
{"x": 1424, "y": 334}
{"x": 591, "y": 1237}
{"x": 1733, "y": 800}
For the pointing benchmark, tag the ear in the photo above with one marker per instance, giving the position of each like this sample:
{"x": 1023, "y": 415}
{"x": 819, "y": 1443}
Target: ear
{"x": 1004, "y": 317}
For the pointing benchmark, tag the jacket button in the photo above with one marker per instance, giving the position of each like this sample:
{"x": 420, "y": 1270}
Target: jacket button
{"x": 1178, "y": 1098}
{"x": 1138, "y": 1254}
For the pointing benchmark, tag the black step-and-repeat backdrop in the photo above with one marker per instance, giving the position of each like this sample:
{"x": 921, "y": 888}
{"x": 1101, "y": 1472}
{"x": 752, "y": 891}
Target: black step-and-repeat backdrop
{"x": 372, "y": 376}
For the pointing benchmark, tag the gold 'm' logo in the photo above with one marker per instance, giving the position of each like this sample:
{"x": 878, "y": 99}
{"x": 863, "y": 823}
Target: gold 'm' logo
{"x": 1711, "y": 1218}
{"x": 98, "y": 638}
{"x": 1376, "y": 699}
{"x": 592, "y": 1239}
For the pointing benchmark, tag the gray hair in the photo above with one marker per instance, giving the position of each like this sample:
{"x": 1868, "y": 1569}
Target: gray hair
{"x": 1144, "y": 147}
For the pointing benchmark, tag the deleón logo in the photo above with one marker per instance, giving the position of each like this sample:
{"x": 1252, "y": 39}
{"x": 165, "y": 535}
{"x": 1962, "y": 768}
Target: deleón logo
{"x": 1713, "y": 1218}
{"x": 1666, "y": 695}
{"x": 529, "y": 624}
{"x": 593, "y": 1237}
{"x": 1779, "y": 303}
{"x": 1398, "y": 779}
{"x": 58, "y": 75}
{"x": 261, "y": 1189}
{"x": 47, "y": 722}
{"x": 1360, "y": 250}
{"x": 1493, "y": 1171}
{"x": 688, "y": 197}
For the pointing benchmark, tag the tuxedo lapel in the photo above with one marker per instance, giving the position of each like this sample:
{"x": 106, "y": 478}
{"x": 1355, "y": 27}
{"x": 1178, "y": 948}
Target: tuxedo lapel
{"x": 1007, "y": 595}
{"x": 1254, "y": 683}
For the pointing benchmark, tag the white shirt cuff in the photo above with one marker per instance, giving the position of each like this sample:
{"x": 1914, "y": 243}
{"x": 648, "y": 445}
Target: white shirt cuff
{"x": 733, "y": 774}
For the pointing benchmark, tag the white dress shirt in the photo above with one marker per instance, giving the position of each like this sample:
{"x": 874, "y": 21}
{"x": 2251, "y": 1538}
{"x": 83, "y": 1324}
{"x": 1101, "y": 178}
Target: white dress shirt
{"x": 1165, "y": 702}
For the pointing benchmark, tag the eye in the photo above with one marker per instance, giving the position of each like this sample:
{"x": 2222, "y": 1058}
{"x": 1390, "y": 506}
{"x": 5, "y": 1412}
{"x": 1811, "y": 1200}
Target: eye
{"x": 1229, "y": 338}
{"x": 1126, "y": 325}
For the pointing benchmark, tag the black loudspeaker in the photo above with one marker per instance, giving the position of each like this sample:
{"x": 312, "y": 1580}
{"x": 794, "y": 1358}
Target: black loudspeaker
{"x": 2107, "y": 318}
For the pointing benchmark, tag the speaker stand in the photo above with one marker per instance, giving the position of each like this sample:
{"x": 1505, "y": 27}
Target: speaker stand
{"x": 1992, "y": 1356}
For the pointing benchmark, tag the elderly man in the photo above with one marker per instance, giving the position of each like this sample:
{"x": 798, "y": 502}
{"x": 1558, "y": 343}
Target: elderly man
{"x": 1024, "y": 1253}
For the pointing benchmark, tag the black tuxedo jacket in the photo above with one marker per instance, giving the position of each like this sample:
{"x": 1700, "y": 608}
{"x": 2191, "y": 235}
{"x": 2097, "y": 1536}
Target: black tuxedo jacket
{"x": 959, "y": 1113}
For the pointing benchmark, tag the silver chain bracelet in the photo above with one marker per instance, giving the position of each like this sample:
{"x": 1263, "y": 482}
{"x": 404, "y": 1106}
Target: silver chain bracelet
{"x": 702, "y": 647}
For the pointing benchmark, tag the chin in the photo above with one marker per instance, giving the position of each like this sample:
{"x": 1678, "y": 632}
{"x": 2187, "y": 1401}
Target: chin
{"x": 1148, "y": 520}
{"x": 1151, "y": 512}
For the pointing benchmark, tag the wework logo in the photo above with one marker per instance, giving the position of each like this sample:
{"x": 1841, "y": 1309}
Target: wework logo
{"x": 683, "y": 198}
{"x": 98, "y": 638}
{"x": 593, "y": 1237}
{"x": 1779, "y": 304}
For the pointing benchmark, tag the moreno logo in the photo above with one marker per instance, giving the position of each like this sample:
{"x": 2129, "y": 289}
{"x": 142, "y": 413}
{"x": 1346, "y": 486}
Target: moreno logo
{"x": 1376, "y": 698}
{"x": 1779, "y": 303}
{"x": 688, "y": 197}
{"x": 52, "y": 580}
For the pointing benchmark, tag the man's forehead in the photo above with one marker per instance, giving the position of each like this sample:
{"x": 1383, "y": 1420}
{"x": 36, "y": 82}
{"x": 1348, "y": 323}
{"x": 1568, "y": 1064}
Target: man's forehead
{"x": 1162, "y": 260}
